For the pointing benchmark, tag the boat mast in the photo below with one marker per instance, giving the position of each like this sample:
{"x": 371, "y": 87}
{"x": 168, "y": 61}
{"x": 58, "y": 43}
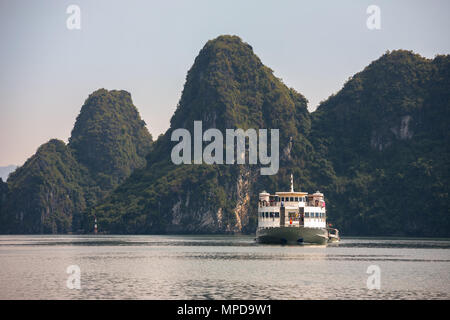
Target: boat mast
{"x": 292, "y": 183}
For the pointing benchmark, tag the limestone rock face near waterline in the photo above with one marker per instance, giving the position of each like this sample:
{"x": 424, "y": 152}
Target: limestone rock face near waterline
{"x": 228, "y": 87}
{"x": 378, "y": 149}
{"x": 386, "y": 134}
{"x": 53, "y": 190}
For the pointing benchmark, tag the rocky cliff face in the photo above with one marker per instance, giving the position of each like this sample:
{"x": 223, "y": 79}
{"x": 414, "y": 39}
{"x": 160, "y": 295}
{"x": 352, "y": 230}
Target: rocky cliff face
{"x": 3, "y": 193}
{"x": 386, "y": 134}
{"x": 377, "y": 148}
{"x": 42, "y": 192}
{"x": 110, "y": 138}
{"x": 51, "y": 192}
{"x": 227, "y": 87}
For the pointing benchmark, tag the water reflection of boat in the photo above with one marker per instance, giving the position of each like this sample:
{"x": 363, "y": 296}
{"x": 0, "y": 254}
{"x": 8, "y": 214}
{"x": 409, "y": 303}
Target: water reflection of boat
{"x": 293, "y": 218}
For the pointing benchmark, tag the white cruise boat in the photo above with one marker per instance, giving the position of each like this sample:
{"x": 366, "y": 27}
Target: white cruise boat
{"x": 293, "y": 218}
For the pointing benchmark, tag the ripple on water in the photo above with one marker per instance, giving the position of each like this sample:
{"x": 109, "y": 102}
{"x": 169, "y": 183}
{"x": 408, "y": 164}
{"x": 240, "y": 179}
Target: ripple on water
{"x": 220, "y": 267}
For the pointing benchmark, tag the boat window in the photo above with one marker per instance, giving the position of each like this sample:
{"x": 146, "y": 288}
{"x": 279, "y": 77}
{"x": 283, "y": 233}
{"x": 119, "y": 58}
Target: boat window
{"x": 271, "y": 214}
{"x": 306, "y": 214}
{"x": 267, "y": 214}
{"x": 277, "y": 214}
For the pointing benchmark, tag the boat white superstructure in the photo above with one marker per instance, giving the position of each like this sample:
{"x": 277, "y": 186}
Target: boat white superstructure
{"x": 293, "y": 217}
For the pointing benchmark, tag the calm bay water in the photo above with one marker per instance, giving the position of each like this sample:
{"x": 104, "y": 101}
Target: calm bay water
{"x": 220, "y": 267}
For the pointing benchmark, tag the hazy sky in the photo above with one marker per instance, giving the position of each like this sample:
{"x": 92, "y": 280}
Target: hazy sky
{"x": 147, "y": 47}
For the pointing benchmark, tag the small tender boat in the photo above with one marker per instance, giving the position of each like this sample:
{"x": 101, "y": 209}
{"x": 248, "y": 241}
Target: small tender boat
{"x": 293, "y": 218}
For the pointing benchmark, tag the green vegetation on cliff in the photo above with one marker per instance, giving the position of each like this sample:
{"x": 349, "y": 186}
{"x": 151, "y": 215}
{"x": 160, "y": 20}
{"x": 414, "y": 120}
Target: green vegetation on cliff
{"x": 46, "y": 193}
{"x": 387, "y": 135}
{"x": 110, "y": 138}
{"x": 378, "y": 149}
{"x": 3, "y": 193}
{"x": 52, "y": 191}
{"x": 227, "y": 87}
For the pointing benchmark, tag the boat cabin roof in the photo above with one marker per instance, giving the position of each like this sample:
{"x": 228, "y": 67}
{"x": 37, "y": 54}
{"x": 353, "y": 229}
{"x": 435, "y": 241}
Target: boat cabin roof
{"x": 294, "y": 194}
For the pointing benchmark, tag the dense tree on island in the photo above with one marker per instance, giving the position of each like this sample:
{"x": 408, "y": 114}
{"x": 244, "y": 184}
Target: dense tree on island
{"x": 387, "y": 136}
{"x": 378, "y": 149}
{"x": 110, "y": 138}
{"x": 3, "y": 193}
{"x": 46, "y": 194}
{"x": 227, "y": 87}
{"x": 55, "y": 187}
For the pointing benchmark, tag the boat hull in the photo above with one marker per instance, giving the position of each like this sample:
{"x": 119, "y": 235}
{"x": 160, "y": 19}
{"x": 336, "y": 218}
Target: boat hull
{"x": 292, "y": 235}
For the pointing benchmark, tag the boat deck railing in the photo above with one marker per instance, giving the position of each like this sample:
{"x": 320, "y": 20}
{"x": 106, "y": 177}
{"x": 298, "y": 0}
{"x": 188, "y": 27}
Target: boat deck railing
{"x": 264, "y": 204}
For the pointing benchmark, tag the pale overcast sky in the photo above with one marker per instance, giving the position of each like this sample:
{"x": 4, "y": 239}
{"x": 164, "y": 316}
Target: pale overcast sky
{"x": 147, "y": 47}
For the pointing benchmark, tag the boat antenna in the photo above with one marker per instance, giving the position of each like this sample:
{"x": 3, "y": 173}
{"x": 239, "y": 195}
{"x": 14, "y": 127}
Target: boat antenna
{"x": 292, "y": 183}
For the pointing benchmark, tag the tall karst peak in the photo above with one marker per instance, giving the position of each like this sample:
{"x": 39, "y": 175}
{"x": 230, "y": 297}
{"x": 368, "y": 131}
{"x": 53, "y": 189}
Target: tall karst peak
{"x": 51, "y": 192}
{"x": 109, "y": 137}
{"x": 229, "y": 87}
